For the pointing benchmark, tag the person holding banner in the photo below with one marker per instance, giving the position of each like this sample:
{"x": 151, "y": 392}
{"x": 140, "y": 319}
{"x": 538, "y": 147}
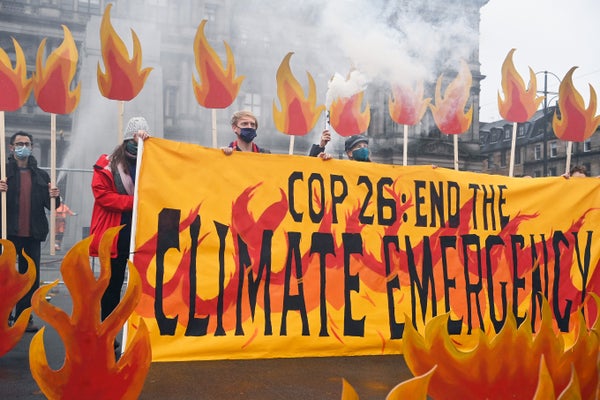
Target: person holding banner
{"x": 113, "y": 184}
{"x": 244, "y": 124}
{"x": 28, "y": 192}
{"x": 357, "y": 148}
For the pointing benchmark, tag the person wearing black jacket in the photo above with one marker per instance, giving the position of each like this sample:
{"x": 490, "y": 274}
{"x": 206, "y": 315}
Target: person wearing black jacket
{"x": 28, "y": 192}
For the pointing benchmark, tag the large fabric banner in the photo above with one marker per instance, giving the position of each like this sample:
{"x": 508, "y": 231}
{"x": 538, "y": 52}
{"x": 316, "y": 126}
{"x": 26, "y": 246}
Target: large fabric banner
{"x": 265, "y": 255}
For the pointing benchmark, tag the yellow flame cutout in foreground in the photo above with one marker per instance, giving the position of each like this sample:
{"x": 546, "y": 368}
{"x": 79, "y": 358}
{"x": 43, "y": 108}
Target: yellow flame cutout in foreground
{"x": 514, "y": 364}
{"x": 90, "y": 370}
{"x": 13, "y": 286}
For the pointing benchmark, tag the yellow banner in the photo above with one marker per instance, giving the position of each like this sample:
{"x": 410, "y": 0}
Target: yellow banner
{"x": 265, "y": 255}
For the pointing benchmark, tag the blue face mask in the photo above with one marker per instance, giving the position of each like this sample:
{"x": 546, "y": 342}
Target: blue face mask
{"x": 247, "y": 134}
{"x": 361, "y": 154}
{"x": 22, "y": 152}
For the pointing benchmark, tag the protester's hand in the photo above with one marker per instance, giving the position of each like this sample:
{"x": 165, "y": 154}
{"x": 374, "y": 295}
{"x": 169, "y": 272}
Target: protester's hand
{"x": 325, "y": 156}
{"x": 325, "y": 138}
{"x": 3, "y": 185}
{"x": 566, "y": 175}
{"x": 227, "y": 150}
{"x": 54, "y": 191}
{"x": 141, "y": 134}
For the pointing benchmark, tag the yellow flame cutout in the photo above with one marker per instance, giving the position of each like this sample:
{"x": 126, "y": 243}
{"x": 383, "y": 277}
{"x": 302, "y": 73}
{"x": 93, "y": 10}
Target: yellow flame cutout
{"x": 13, "y": 286}
{"x": 90, "y": 369}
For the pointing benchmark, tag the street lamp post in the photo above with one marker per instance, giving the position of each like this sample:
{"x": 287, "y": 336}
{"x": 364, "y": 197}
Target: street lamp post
{"x": 546, "y": 93}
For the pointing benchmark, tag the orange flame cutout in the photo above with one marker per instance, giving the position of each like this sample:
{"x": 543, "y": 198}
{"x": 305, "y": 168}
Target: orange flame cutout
{"x": 414, "y": 389}
{"x": 448, "y": 112}
{"x": 520, "y": 103}
{"x": 219, "y": 86}
{"x": 407, "y": 105}
{"x": 124, "y": 77}
{"x": 485, "y": 366}
{"x": 14, "y": 85}
{"x": 576, "y": 123}
{"x": 13, "y": 286}
{"x": 298, "y": 114}
{"x": 51, "y": 82}
{"x": 90, "y": 369}
{"x": 345, "y": 115}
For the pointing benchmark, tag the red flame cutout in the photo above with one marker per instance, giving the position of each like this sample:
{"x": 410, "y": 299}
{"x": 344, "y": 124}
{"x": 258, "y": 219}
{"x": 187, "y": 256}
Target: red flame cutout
{"x": 346, "y": 117}
{"x": 448, "y": 111}
{"x": 14, "y": 85}
{"x": 51, "y": 82}
{"x": 407, "y": 105}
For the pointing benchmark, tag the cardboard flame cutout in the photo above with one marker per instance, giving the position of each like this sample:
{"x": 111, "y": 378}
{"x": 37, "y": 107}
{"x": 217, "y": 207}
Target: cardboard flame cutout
{"x": 14, "y": 85}
{"x": 51, "y": 83}
{"x": 298, "y": 114}
{"x": 124, "y": 77}
{"x": 448, "y": 111}
{"x": 218, "y": 86}
{"x": 346, "y": 117}
{"x": 520, "y": 103}
{"x": 89, "y": 369}
{"x": 515, "y": 363}
{"x": 406, "y": 105}
{"x": 575, "y": 123}
{"x": 13, "y": 287}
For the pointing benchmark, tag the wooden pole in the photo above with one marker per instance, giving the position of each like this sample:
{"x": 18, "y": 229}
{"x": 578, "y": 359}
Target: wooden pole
{"x": 214, "y": 128}
{"x": 569, "y": 150}
{"x": 52, "y": 182}
{"x": 120, "y": 121}
{"x": 3, "y": 170}
{"x": 292, "y": 138}
{"x": 405, "y": 147}
{"x": 513, "y": 144}
{"x": 455, "y": 152}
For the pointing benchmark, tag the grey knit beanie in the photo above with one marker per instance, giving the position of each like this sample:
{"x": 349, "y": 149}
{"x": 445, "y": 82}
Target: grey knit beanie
{"x": 135, "y": 124}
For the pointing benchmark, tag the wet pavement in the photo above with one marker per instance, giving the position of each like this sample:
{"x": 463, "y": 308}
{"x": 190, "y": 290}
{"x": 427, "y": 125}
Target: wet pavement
{"x": 288, "y": 378}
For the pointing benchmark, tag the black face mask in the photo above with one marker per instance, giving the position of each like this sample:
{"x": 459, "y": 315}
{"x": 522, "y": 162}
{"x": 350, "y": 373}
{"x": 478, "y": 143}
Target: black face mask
{"x": 131, "y": 147}
{"x": 247, "y": 134}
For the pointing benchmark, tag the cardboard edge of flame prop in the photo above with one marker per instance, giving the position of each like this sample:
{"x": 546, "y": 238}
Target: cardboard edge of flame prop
{"x": 299, "y": 113}
{"x": 124, "y": 77}
{"x": 13, "y": 286}
{"x": 90, "y": 369}
{"x": 575, "y": 123}
{"x": 16, "y": 87}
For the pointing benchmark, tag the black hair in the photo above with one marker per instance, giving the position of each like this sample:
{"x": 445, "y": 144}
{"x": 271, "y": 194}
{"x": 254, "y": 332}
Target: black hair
{"x": 21, "y": 133}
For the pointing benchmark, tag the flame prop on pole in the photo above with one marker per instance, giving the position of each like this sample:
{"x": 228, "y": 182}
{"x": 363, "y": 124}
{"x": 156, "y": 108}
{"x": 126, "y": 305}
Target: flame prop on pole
{"x": 218, "y": 86}
{"x": 51, "y": 87}
{"x": 90, "y": 370}
{"x": 407, "y": 107}
{"x": 448, "y": 111}
{"x": 576, "y": 123}
{"x": 13, "y": 286}
{"x": 519, "y": 103}
{"x": 344, "y": 101}
{"x": 124, "y": 77}
{"x": 298, "y": 114}
{"x": 16, "y": 88}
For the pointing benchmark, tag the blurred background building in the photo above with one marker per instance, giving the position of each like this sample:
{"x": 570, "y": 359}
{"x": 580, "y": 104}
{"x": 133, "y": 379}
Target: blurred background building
{"x": 323, "y": 40}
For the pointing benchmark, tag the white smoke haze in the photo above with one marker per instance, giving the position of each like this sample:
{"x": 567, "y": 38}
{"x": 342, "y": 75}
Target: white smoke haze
{"x": 345, "y": 87}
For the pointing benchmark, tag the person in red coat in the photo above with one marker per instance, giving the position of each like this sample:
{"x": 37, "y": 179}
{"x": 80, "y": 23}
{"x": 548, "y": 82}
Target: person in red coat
{"x": 113, "y": 187}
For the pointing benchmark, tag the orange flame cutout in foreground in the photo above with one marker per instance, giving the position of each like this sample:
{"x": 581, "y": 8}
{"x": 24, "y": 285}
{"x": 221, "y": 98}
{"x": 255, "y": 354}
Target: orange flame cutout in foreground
{"x": 298, "y": 114}
{"x": 509, "y": 365}
{"x": 89, "y": 370}
{"x": 124, "y": 77}
{"x": 13, "y": 287}
{"x": 448, "y": 112}
{"x": 51, "y": 83}
{"x": 345, "y": 115}
{"x": 14, "y": 85}
{"x": 576, "y": 123}
{"x": 407, "y": 105}
{"x": 219, "y": 86}
{"x": 520, "y": 103}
